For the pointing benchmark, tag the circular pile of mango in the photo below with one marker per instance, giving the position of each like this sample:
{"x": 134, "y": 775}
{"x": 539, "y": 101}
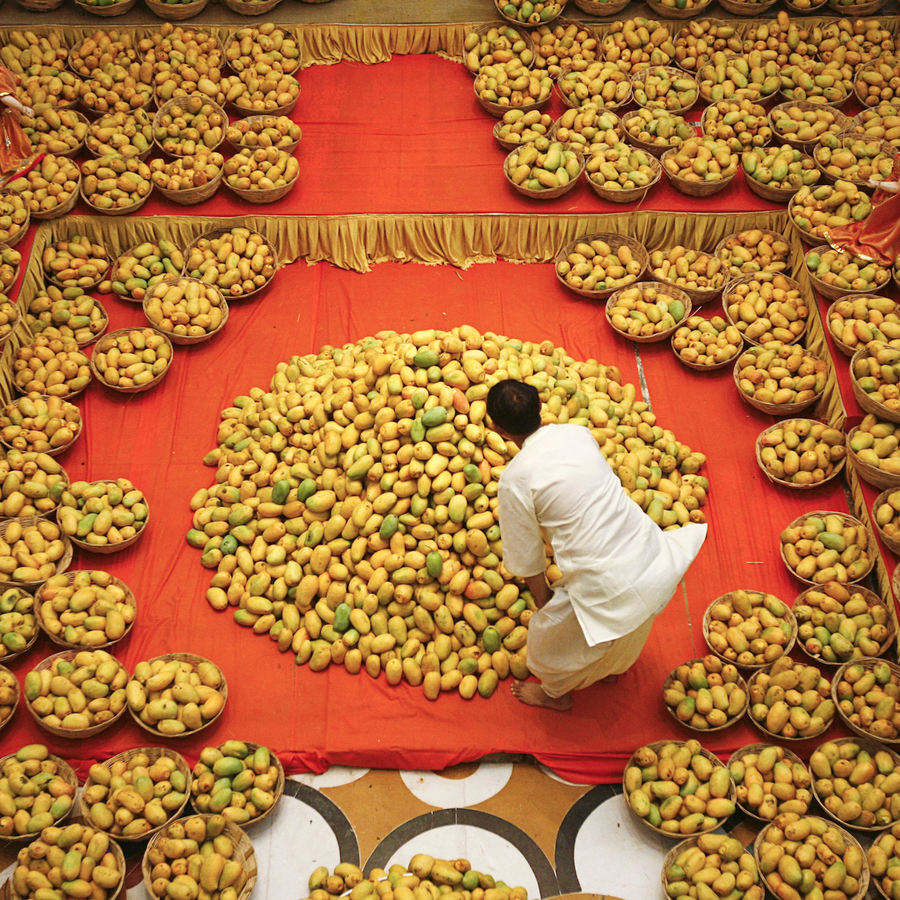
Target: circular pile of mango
{"x": 602, "y": 83}
{"x": 879, "y": 123}
{"x": 268, "y": 131}
{"x": 687, "y": 268}
{"x": 856, "y": 41}
{"x": 740, "y": 123}
{"x": 664, "y": 87}
{"x": 34, "y": 792}
{"x": 699, "y": 159}
{"x": 620, "y": 168}
{"x": 75, "y": 262}
{"x": 589, "y": 127}
{"x": 175, "y": 44}
{"x": 117, "y": 88}
{"x": 595, "y": 266}
{"x": 857, "y": 785}
{"x": 42, "y": 85}
{"x": 398, "y": 504}
{"x": 770, "y": 782}
{"x": 780, "y": 374}
{"x": 512, "y": 84}
{"x": 127, "y": 134}
{"x": 884, "y": 860}
{"x": 784, "y": 168}
{"x": 637, "y": 44}
{"x": 185, "y": 307}
{"x": 815, "y": 210}
{"x": 30, "y": 553}
{"x": 717, "y": 863}
{"x": 645, "y": 310}
{"x": 173, "y": 80}
{"x": 39, "y": 425}
{"x": 886, "y": 514}
{"x": 14, "y": 214}
{"x": 749, "y": 628}
{"x": 706, "y": 693}
{"x": 657, "y": 792}
{"x": 878, "y": 373}
{"x": 846, "y": 272}
{"x": 530, "y": 12}
{"x": 518, "y": 126}
{"x": 187, "y": 172}
{"x": 766, "y": 307}
{"x": 144, "y": 265}
{"x": 18, "y": 624}
{"x": 700, "y": 38}
{"x": 263, "y": 169}
{"x": 791, "y": 700}
{"x": 32, "y": 484}
{"x": 114, "y": 182}
{"x": 68, "y": 314}
{"x": 266, "y": 45}
{"x": 189, "y": 124}
{"x": 10, "y": 260}
{"x": 260, "y": 91}
{"x": 798, "y": 123}
{"x": 817, "y": 81}
{"x": 102, "y": 513}
{"x": 132, "y": 357}
{"x": 850, "y": 158}
{"x": 238, "y": 261}
{"x": 855, "y": 321}
{"x": 51, "y": 366}
{"x": 9, "y": 694}
{"x": 782, "y": 39}
{"x": 868, "y": 697}
{"x": 876, "y": 83}
{"x": 876, "y": 442}
{"x": 801, "y": 451}
{"x": 837, "y": 623}
{"x": 555, "y": 45}
{"x": 658, "y": 127}
{"x": 729, "y": 76}
{"x": 707, "y": 342}
{"x": 827, "y": 547}
{"x": 48, "y": 185}
{"x": 754, "y": 250}
{"x": 497, "y": 44}
{"x": 130, "y": 797}
{"x": 543, "y": 165}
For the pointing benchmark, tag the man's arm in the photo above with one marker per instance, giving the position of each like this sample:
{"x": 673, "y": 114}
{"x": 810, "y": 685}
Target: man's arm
{"x": 538, "y": 586}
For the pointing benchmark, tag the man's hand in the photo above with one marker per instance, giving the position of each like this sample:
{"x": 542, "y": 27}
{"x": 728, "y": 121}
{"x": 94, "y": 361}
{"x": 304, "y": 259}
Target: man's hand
{"x": 538, "y": 586}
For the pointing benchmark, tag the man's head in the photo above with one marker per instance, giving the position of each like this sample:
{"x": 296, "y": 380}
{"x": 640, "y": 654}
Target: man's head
{"x": 514, "y": 407}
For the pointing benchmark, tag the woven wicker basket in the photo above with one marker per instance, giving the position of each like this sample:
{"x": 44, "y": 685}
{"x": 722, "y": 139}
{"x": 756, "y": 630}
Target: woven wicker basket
{"x": 114, "y": 9}
{"x": 638, "y": 251}
{"x": 194, "y": 660}
{"x": 804, "y": 146}
{"x": 519, "y": 28}
{"x": 219, "y": 232}
{"x": 153, "y": 754}
{"x": 767, "y": 192}
{"x": 59, "y": 641}
{"x": 673, "y": 12}
{"x": 70, "y": 733}
{"x": 23, "y": 228}
{"x": 7, "y": 656}
{"x": 184, "y": 339}
{"x": 857, "y": 10}
{"x": 258, "y": 118}
{"x": 499, "y": 4}
{"x": 656, "y": 746}
{"x": 550, "y": 193}
{"x": 18, "y": 696}
{"x": 48, "y": 277}
{"x": 886, "y": 148}
{"x": 866, "y": 67}
{"x": 497, "y": 110}
{"x": 62, "y": 563}
{"x": 574, "y": 103}
{"x": 848, "y": 521}
{"x": 76, "y": 150}
{"x": 176, "y": 12}
{"x": 264, "y": 196}
{"x": 104, "y": 344}
{"x": 180, "y": 101}
{"x": 753, "y": 10}
{"x": 868, "y": 664}
{"x": 670, "y": 678}
{"x": 656, "y": 149}
{"x": 601, "y": 8}
{"x": 106, "y": 549}
{"x": 753, "y": 667}
{"x": 512, "y": 145}
{"x": 67, "y": 773}
{"x": 627, "y": 196}
{"x": 803, "y": 11}
{"x": 866, "y": 402}
{"x": 781, "y": 737}
{"x": 696, "y": 367}
{"x": 695, "y": 188}
{"x": 892, "y": 542}
{"x": 810, "y": 240}
{"x": 243, "y": 853}
{"x": 738, "y": 755}
{"x": 117, "y": 211}
{"x": 872, "y": 599}
{"x": 251, "y": 7}
{"x": 194, "y": 195}
{"x": 763, "y": 277}
{"x": 63, "y": 208}
{"x": 838, "y": 466}
{"x": 672, "y": 71}
{"x": 829, "y": 291}
{"x": 243, "y": 112}
{"x": 40, "y": 5}
{"x": 53, "y": 451}
{"x": 698, "y": 296}
{"x": 871, "y": 474}
{"x": 677, "y": 294}
{"x": 719, "y": 250}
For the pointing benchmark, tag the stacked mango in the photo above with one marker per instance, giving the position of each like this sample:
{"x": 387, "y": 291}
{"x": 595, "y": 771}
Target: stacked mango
{"x": 128, "y": 134}
{"x": 783, "y": 168}
{"x": 30, "y": 553}
{"x": 645, "y": 310}
{"x": 55, "y": 131}
{"x": 132, "y": 358}
{"x": 780, "y": 373}
{"x": 880, "y": 123}
{"x": 770, "y": 783}
{"x": 145, "y": 265}
{"x": 237, "y": 262}
{"x": 853, "y": 159}
{"x": 102, "y": 512}
{"x": 601, "y": 83}
{"x": 33, "y": 792}
{"x": 558, "y": 45}
{"x": 718, "y": 864}
{"x": 190, "y": 124}
{"x": 802, "y": 451}
{"x": 877, "y": 443}
{"x": 587, "y": 127}
{"x": 815, "y": 210}
{"x": 66, "y": 314}
{"x": 868, "y": 695}
{"x": 18, "y": 624}
{"x": 620, "y": 167}
{"x": 518, "y": 126}
{"x": 791, "y": 700}
{"x": 857, "y": 41}
{"x": 884, "y": 860}
{"x": 740, "y": 123}
{"x": 755, "y": 250}
{"x": 531, "y": 12}
{"x": 543, "y": 165}
{"x": 637, "y": 44}
{"x": 876, "y": 83}
{"x": 767, "y": 307}
{"x": 707, "y": 342}
{"x": 878, "y": 373}
{"x": 701, "y": 160}
{"x": 847, "y": 272}
{"x": 660, "y": 87}
{"x": 798, "y": 124}
{"x": 512, "y": 84}
{"x": 706, "y": 693}
{"x": 658, "y": 127}
{"x": 112, "y": 182}
{"x": 269, "y": 131}
{"x": 235, "y": 779}
{"x": 738, "y": 77}
{"x": 499, "y": 44}
{"x": 817, "y": 81}
{"x": 749, "y": 628}
{"x": 687, "y": 268}
{"x": 596, "y": 266}
{"x": 827, "y": 548}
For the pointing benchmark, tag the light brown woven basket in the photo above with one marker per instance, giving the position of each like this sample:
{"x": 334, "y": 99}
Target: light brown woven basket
{"x": 673, "y": 12}
{"x": 498, "y": 109}
{"x": 849, "y": 521}
{"x": 219, "y": 232}
{"x": 830, "y": 291}
{"x": 67, "y": 773}
{"x": 697, "y": 367}
{"x": 892, "y": 542}
{"x": 185, "y": 339}
{"x": 858, "y": 10}
{"x": 513, "y": 145}
{"x": 117, "y": 211}
{"x": 698, "y": 296}
{"x": 499, "y": 4}
{"x": 672, "y": 71}
{"x": 176, "y": 12}
{"x": 242, "y": 112}
{"x": 656, "y": 746}
{"x": 17, "y": 691}
{"x": 259, "y": 117}
{"x": 574, "y": 103}
{"x": 632, "y": 195}
{"x": 871, "y": 474}
{"x": 805, "y": 146}
{"x": 53, "y": 451}
{"x": 76, "y": 150}
{"x": 194, "y": 195}
{"x": 885, "y": 147}
{"x": 676, "y": 293}
{"x": 23, "y": 228}
{"x": 810, "y": 240}
{"x": 62, "y": 563}
{"x": 251, "y": 7}
{"x": 781, "y": 737}
{"x": 70, "y": 733}
{"x": 746, "y": 9}
{"x": 872, "y": 599}
{"x": 720, "y": 251}
{"x": 767, "y": 191}
{"x": 180, "y": 101}
{"x": 865, "y": 400}
{"x": 656, "y": 149}
{"x": 762, "y": 277}
{"x": 836, "y": 470}
{"x": 153, "y": 754}
{"x": 789, "y": 757}
{"x": 868, "y": 664}
{"x": 114, "y": 9}
{"x": 40, "y": 5}
{"x": 550, "y": 193}
{"x": 857, "y": 78}
{"x": 695, "y": 188}
{"x": 49, "y": 277}
{"x": 264, "y": 196}
{"x": 754, "y": 667}
{"x": 804, "y": 11}
{"x": 106, "y": 342}
{"x": 601, "y": 8}
{"x": 243, "y": 852}
{"x": 63, "y": 208}
{"x": 638, "y": 251}
{"x": 670, "y": 678}
{"x": 194, "y": 661}
{"x": 106, "y": 549}
{"x": 7, "y": 656}
{"x": 61, "y": 642}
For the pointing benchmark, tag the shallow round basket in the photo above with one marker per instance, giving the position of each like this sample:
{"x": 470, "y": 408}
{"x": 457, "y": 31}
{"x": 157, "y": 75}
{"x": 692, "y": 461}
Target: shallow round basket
{"x": 176, "y": 12}
{"x": 829, "y": 291}
{"x": 23, "y": 228}
{"x": 848, "y": 837}
{"x": 107, "y": 548}
{"x": 866, "y": 67}
{"x": 672, "y": 71}
{"x": 788, "y": 484}
{"x": 192, "y": 196}
{"x": 137, "y": 389}
{"x": 219, "y": 232}
{"x": 720, "y": 248}
{"x": 695, "y": 188}
{"x": 18, "y": 697}
{"x": 767, "y": 192}
{"x": 738, "y": 755}
{"x": 194, "y": 660}
{"x": 696, "y": 367}
{"x": 253, "y": 8}
{"x": 872, "y": 599}
{"x": 868, "y": 663}
{"x": 41, "y": 6}
{"x": 892, "y": 542}
{"x": 656, "y": 149}
{"x": 746, "y": 9}
{"x": 114, "y": 9}
{"x": 627, "y": 196}
{"x": 550, "y": 193}
{"x": 656, "y": 746}
{"x": 601, "y": 8}
{"x": 638, "y": 251}
{"x": 804, "y": 11}
{"x": 499, "y": 4}
{"x": 810, "y": 240}
{"x": 117, "y": 211}
{"x": 242, "y": 112}
{"x": 520, "y": 29}
{"x": 184, "y": 339}
{"x": 805, "y": 146}
{"x": 59, "y": 641}
{"x": 498, "y": 109}
{"x": 677, "y": 294}
{"x": 871, "y": 474}
{"x": 237, "y": 146}
{"x": 575, "y": 103}
{"x": 64, "y": 208}
{"x": 70, "y": 733}
{"x": 264, "y": 196}
{"x": 857, "y": 9}
{"x": 848, "y": 520}
{"x": 512, "y": 145}
{"x": 885, "y": 147}
{"x": 698, "y": 296}
{"x": 180, "y": 101}
{"x": 53, "y": 451}
{"x": 673, "y": 12}
{"x": 62, "y": 563}
{"x": 153, "y": 754}
{"x": 87, "y": 288}
{"x": 755, "y": 667}
{"x": 759, "y": 276}
{"x": 670, "y": 678}
{"x": 9, "y": 657}
{"x": 781, "y": 737}
{"x": 865, "y": 400}
{"x": 67, "y": 773}
{"x": 846, "y": 349}
{"x": 243, "y": 852}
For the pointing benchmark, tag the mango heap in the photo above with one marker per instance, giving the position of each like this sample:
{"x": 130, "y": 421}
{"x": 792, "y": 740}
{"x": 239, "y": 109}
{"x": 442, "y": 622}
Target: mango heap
{"x": 17, "y": 621}
{"x": 717, "y": 866}
{"x": 770, "y": 782}
{"x": 33, "y": 791}
{"x": 353, "y": 517}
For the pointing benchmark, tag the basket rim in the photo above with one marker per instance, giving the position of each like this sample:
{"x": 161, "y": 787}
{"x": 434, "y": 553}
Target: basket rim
{"x": 886, "y": 148}
{"x": 631, "y": 194}
{"x": 53, "y": 451}
{"x": 550, "y": 193}
{"x": 829, "y": 291}
{"x": 258, "y": 116}
{"x": 566, "y": 68}
{"x": 806, "y": 105}
{"x": 188, "y": 339}
{"x": 838, "y": 467}
{"x": 695, "y": 367}
{"x": 214, "y": 233}
{"x": 863, "y": 468}
{"x": 741, "y": 683}
{"x": 104, "y": 548}
{"x": 685, "y": 186}
{"x": 68, "y": 775}
{"x": 659, "y": 336}
{"x": 619, "y": 240}
{"x": 656, "y": 149}
{"x": 765, "y": 231}
{"x": 867, "y": 662}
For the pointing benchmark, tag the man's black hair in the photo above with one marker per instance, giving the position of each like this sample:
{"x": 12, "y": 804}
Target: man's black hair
{"x": 515, "y": 407}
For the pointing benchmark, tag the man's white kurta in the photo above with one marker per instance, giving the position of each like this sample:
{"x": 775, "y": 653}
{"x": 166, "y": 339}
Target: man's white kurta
{"x": 619, "y": 569}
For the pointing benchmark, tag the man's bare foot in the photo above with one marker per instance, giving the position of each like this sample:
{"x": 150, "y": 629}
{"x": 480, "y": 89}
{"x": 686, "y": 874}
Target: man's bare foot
{"x": 533, "y": 694}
